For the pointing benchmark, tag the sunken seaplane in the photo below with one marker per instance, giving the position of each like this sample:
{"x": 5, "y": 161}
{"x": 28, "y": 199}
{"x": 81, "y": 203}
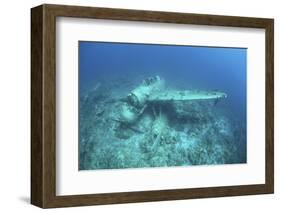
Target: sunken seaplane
{"x": 152, "y": 91}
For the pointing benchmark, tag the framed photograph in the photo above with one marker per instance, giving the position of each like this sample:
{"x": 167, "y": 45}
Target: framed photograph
{"x": 136, "y": 106}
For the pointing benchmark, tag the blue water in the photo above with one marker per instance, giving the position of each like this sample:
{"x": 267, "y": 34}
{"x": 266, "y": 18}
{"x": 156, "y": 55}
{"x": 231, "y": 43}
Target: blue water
{"x": 182, "y": 67}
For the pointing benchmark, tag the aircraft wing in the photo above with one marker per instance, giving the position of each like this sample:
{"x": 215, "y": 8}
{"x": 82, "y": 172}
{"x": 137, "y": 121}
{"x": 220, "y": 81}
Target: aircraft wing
{"x": 185, "y": 95}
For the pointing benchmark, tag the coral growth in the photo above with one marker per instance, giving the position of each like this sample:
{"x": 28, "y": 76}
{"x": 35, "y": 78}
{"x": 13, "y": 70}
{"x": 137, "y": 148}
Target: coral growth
{"x": 173, "y": 134}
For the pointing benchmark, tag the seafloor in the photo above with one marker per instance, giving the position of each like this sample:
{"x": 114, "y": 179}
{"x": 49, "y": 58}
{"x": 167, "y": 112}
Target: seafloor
{"x": 175, "y": 134}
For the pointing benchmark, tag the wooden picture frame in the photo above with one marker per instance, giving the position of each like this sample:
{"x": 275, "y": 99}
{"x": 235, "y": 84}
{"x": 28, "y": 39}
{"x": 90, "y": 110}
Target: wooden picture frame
{"x": 43, "y": 105}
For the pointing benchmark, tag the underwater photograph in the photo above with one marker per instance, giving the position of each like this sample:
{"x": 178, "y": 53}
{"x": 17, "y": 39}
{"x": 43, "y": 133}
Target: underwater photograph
{"x": 155, "y": 105}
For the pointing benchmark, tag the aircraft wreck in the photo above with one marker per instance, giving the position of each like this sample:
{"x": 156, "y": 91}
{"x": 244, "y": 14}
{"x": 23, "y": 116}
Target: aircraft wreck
{"x": 152, "y": 91}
